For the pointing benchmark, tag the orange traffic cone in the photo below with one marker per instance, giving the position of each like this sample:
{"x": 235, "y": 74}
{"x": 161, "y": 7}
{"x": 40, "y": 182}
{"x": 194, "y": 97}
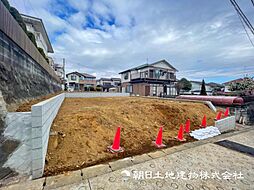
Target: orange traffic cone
{"x": 187, "y": 126}
{"x": 226, "y": 114}
{"x": 203, "y": 124}
{"x": 115, "y": 148}
{"x": 218, "y": 117}
{"x": 158, "y": 142}
{"x": 180, "y": 134}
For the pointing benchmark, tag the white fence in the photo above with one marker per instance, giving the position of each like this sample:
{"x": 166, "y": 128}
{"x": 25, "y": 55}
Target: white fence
{"x": 95, "y": 94}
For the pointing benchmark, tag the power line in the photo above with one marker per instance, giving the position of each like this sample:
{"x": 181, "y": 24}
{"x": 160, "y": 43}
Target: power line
{"x": 28, "y": 3}
{"x": 240, "y": 12}
{"x": 252, "y": 2}
{"x": 245, "y": 30}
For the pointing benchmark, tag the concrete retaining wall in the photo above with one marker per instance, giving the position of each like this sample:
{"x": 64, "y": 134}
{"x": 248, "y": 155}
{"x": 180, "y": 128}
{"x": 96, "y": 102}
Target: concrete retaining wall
{"x": 95, "y": 94}
{"x": 19, "y": 128}
{"x": 43, "y": 115}
{"x": 226, "y": 124}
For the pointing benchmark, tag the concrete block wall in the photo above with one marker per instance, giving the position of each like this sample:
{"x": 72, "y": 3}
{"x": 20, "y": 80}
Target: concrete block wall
{"x": 225, "y": 124}
{"x": 43, "y": 114}
{"x": 95, "y": 94}
{"x": 19, "y": 128}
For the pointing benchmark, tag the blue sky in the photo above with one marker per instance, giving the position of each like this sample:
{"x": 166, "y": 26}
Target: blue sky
{"x": 201, "y": 38}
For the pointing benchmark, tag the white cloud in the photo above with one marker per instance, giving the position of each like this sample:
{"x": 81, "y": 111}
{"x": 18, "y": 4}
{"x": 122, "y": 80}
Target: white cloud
{"x": 201, "y": 39}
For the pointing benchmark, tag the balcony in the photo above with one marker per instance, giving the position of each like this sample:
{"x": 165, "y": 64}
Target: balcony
{"x": 151, "y": 74}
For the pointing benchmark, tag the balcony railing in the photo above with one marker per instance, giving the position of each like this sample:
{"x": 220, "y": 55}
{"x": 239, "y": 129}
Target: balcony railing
{"x": 152, "y": 75}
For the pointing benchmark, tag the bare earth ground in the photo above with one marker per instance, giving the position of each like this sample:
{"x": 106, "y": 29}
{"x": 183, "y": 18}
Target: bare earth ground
{"x": 26, "y": 106}
{"x": 84, "y": 127}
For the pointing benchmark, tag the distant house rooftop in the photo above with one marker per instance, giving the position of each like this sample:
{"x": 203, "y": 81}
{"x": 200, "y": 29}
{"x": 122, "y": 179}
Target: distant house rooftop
{"x": 233, "y": 81}
{"x": 109, "y": 79}
{"x": 39, "y": 26}
{"x": 81, "y": 74}
{"x": 148, "y": 65}
{"x": 212, "y": 84}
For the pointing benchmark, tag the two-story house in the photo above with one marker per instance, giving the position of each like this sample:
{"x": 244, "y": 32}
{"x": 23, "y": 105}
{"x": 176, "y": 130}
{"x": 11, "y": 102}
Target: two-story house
{"x": 80, "y": 81}
{"x": 108, "y": 84}
{"x": 155, "y": 79}
{"x": 36, "y": 26}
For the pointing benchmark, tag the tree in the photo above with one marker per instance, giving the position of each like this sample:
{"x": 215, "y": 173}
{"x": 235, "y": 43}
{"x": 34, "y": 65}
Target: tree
{"x": 15, "y": 13}
{"x": 203, "y": 90}
{"x": 32, "y": 38}
{"x": 246, "y": 84}
{"x": 43, "y": 54}
{"x": 6, "y": 4}
{"x": 183, "y": 84}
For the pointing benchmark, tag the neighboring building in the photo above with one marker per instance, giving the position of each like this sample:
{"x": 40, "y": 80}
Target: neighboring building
{"x": 210, "y": 88}
{"x": 51, "y": 62}
{"x": 227, "y": 84}
{"x": 156, "y": 79}
{"x": 60, "y": 70}
{"x": 80, "y": 81}
{"x": 196, "y": 88}
{"x": 36, "y": 26}
{"x": 109, "y": 84}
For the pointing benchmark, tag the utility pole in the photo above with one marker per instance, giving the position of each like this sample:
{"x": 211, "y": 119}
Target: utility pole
{"x": 63, "y": 68}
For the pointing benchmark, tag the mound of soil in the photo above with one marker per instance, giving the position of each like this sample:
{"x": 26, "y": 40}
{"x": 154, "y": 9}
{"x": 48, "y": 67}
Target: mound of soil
{"x": 26, "y": 106}
{"x": 84, "y": 127}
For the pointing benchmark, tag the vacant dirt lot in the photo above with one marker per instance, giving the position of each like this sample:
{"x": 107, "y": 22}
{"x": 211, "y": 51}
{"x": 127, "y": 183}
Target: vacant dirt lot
{"x": 84, "y": 127}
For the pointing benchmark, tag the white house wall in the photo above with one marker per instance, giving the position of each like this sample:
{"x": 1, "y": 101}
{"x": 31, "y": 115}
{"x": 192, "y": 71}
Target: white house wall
{"x": 164, "y": 66}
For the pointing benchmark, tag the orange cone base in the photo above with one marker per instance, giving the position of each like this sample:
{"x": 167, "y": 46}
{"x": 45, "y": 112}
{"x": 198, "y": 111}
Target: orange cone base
{"x": 110, "y": 149}
{"x": 182, "y": 140}
{"x": 159, "y": 146}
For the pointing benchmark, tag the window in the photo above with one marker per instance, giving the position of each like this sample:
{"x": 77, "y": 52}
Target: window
{"x": 73, "y": 77}
{"x": 81, "y": 78}
{"x": 154, "y": 90}
{"x": 129, "y": 89}
{"x": 172, "y": 76}
{"x": 126, "y": 76}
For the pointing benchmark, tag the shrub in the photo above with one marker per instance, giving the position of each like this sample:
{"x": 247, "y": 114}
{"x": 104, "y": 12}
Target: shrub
{"x": 43, "y": 54}
{"x": 6, "y": 4}
{"x": 32, "y": 38}
{"x": 15, "y": 13}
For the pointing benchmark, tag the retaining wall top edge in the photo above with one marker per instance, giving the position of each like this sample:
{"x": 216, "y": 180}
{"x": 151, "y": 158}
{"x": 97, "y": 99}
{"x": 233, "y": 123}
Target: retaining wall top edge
{"x": 48, "y": 100}
{"x": 25, "y": 112}
{"x": 229, "y": 117}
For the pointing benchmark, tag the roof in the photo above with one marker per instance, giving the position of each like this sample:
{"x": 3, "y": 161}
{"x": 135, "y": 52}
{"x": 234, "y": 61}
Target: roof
{"x": 212, "y": 84}
{"x": 233, "y": 81}
{"x": 81, "y": 74}
{"x": 197, "y": 82}
{"x": 149, "y": 65}
{"x": 109, "y": 79}
{"x": 39, "y": 26}
{"x": 106, "y": 86}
